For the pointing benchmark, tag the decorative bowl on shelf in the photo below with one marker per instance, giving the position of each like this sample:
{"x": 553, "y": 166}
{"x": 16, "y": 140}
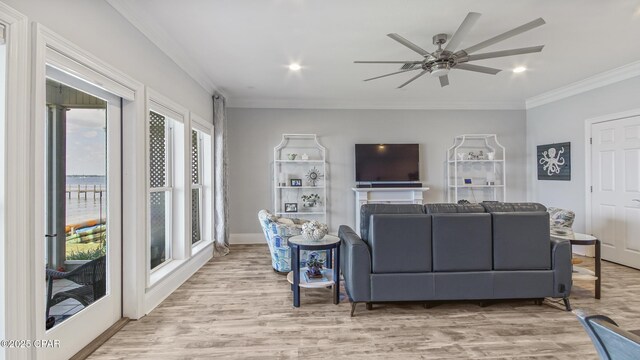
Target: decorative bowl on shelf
{"x": 314, "y": 230}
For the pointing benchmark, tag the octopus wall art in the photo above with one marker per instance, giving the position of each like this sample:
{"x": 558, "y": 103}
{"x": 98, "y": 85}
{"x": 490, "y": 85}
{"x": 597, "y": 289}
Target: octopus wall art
{"x": 554, "y": 161}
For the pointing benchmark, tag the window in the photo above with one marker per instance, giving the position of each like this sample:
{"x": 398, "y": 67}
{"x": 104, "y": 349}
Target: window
{"x": 160, "y": 189}
{"x": 197, "y": 191}
{"x": 201, "y": 183}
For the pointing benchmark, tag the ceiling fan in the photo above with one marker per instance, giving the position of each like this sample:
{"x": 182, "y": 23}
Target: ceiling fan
{"x": 441, "y": 61}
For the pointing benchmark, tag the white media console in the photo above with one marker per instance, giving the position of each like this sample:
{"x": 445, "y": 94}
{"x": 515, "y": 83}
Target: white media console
{"x": 397, "y": 195}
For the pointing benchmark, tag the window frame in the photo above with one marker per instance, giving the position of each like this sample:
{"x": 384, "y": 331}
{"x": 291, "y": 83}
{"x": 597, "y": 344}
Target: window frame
{"x": 177, "y": 117}
{"x": 201, "y": 189}
{"x": 206, "y": 168}
{"x": 168, "y": 188}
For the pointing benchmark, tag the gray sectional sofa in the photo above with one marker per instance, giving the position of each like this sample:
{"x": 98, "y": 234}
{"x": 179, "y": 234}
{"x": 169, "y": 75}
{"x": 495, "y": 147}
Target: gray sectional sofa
{"x": 454, "y": 252}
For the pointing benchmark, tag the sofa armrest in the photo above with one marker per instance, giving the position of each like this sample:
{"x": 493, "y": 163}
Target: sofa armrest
{"x": 355, "y": 263}
{"x": 561, "y": 266}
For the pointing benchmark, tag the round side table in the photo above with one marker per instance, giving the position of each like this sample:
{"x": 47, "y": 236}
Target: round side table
{"x": 580, "y": 273}
{"x": 330, "y": 243}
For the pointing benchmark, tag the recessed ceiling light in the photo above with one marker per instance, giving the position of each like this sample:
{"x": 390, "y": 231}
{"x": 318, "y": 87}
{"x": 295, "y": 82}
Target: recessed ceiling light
{"x": 295, "y": 67}
{"x": 519, "y": 69}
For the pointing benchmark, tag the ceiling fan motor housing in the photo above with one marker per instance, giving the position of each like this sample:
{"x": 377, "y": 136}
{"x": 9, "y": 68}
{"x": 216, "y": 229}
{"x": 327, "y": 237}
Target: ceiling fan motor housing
{"x": 440, "y": 69}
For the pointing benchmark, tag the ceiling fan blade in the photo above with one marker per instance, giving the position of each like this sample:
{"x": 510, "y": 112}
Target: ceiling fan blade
{"x": 462, "y": 31}
{"x": 409, "y": 44}
{"x": 444, "y": 80}
{"x": 393, "y": 73}
{"x": 413, "y": 78}
{"x": 477, "y": 68}
{"x": 495, "y": 54}
{"x": 387, "y": 62}
{"x": 511, "y": 33}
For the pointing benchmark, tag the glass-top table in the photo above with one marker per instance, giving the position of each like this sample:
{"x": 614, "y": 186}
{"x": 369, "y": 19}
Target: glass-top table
{"x": 581, "y": 273}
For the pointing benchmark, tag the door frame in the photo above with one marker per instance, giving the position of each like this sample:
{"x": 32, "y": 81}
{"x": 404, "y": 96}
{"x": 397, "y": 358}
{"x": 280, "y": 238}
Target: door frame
{"x": 50, "y": 48}
{"x": 587, "y": 158}
{"x": 17, "y": 251}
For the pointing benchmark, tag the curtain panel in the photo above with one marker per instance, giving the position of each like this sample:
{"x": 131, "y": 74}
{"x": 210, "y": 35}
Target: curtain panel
{"x": 221, "y": 159}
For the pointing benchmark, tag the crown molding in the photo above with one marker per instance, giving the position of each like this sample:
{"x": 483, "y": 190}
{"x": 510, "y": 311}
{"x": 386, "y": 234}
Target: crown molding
{"x": 160, "y": 38}
{"x": 236, "y": 102}
{"x": 599, "y": 80}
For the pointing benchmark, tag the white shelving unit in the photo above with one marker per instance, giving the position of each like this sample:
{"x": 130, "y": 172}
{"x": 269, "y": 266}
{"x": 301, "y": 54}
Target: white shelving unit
{"x": 286, "y": 169}
{"x": 487, "y": 177}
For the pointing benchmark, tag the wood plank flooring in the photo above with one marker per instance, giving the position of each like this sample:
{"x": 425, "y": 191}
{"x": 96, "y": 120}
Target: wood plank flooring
{"x": 236, "y": 307}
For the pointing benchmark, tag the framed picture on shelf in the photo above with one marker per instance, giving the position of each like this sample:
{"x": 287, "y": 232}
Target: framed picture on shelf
{"x": 295, "y": 182}
{"x": 290, "y": 207}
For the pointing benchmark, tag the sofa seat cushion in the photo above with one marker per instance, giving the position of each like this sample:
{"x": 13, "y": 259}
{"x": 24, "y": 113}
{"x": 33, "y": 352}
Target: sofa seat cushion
{"x": 400, "y": 243}
{"x": 522, "y": 284}
{"x": 521, "y": 241}
{"x": 402, "y": 287}
{"x": 461, "y": 242}
{"x": 370, "y": 209}
{"x": 463, "y": 285}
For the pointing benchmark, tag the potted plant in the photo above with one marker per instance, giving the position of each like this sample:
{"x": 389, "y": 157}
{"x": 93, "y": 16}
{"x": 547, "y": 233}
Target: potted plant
{"x": 310, "y": 200}
{"x": 314, "y": 266}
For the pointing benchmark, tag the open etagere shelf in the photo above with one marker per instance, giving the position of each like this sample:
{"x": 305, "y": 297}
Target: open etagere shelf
{"x": 285, "y": 169}
{"x": 476, "y": 169}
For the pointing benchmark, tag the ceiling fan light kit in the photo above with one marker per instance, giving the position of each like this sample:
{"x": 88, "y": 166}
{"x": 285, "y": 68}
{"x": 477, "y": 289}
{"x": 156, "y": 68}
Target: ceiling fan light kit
{"x": 440, "y": 62}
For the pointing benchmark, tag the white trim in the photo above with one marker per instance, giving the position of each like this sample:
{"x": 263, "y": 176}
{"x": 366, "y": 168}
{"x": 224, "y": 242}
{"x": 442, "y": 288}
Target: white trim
{"x": 16, "y": 301}
{"x": 183, "y": 270}
{"x": 247, "y": 238}
{"x": 587, "y": 157}
{"x": 165, "y": 106}
{"x": 198, "y": 123}
{"x": 599, "y": 80}
{"x": 370, "y": 105}
{"x": 158, "y": 36}
{"x": 103, "y": 75}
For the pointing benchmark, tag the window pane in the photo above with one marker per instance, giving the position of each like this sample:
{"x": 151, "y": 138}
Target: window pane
{"x": 86, "y": 184}
{"x": 158, "y": 215}
{"x": 157, "y": 150}
{"x": 195, "y": 176}
{"x": 195, "y": 216}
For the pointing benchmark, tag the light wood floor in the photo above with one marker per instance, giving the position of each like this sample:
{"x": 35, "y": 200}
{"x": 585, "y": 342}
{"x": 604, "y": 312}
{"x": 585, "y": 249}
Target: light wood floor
{"x": 237, "y": 307}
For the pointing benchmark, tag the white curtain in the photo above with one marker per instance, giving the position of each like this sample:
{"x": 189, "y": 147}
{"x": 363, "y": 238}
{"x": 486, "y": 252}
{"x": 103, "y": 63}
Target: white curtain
{"x": 221, "y": 159}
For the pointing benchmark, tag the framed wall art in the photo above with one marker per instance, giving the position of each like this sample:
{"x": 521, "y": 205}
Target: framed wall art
{"x": 554, "y": 161}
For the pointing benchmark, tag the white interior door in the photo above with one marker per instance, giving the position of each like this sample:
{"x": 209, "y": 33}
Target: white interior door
{"x": 615, "y": 176}
{"x": 81, "y": 216}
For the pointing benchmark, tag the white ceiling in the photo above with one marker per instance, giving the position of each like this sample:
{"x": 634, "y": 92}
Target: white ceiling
{"x": 243, "y": 47}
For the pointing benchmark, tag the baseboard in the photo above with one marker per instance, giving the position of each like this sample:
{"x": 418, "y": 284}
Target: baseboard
{"x": 584, "y": 250}
{"x": 247, "y": 238}
{"x": 100, "y": 340}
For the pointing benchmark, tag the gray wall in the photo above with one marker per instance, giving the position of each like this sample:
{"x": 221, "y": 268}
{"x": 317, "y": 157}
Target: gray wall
{"x": 564, "y": 120}
{"x": 99, "y": 29}
{"x": 254, "y": 132}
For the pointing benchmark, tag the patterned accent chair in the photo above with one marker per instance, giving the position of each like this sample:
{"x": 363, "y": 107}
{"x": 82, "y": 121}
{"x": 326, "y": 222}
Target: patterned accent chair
{"x": 561, "y": 220}
{"x": 277, "y": 231}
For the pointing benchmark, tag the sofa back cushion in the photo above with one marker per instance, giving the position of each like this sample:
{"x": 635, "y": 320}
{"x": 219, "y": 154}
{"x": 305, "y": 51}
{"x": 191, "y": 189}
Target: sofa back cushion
{"x": 367, "y": 210}
{"x": 461, "y": 242}
{"x": 495, "y": 206}
{"x": 450, "y": 208}
{"x": 521, "y": 241}
{"x": 400, "y": 243}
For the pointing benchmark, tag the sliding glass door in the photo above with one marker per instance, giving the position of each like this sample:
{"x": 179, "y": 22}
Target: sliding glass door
{"x": 82, "y": 210}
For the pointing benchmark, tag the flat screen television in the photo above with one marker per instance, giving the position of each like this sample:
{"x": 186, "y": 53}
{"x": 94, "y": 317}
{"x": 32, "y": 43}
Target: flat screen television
{"x": 387, "y": 162}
